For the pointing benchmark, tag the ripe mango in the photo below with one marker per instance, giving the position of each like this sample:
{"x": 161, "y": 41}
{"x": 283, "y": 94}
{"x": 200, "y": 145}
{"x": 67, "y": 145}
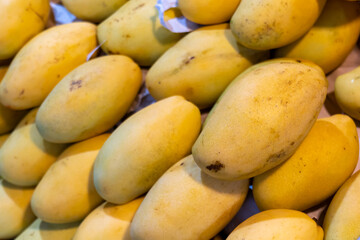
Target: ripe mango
{"x": 93, "y": 98}
{"x": 108, "y": 221}
{"x": 66, "y": 193}
{"x": 44, "y": 61}
{"x": 268, "y": 24}
{"x": 322, "y": 163}
{"x": 26, "y": 156}
{"x": 279, "y": 224}
{"x": 332, "y": 37}
{"x": 260, "y": 119}
{"x": 143, "y": 147}
{"x": 187, "y": 69}
{"x": 21, "y": 20}
{"x": 186, "y": 204}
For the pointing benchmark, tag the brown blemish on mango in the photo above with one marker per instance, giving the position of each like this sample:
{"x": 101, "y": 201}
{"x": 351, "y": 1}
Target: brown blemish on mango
{"x": 75, "y": 85}
{"x": 139, "y": 6}
{"x": 217, "y": 166}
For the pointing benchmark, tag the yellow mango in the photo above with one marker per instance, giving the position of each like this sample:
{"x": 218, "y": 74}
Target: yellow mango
{"x": 3, "y": 138}
{"x": 279, "y": 224}
{"x": 66, "y": 193}
{"x": 322, "y": 163}
{"x": 331, "y": 39}
{"x": 343, "y": 215}
{"x": 40, "y": 230}
{"x": 143, "y": 147}
{"x": 3, "y": 70}
{"x": 187, "y": 204}
{"x": 135, "y": 30}
{"x": 187, "y": 69}
{"x": 260, "y": 119}
{"x": 103, "y": 89}
{"x": 15, "y": 209}
{"x": 44, "y": 61}
{"x": 347, "y": 92}
{"x": 267, "y": 24}
{"x": 108, "y": 221}
{"x": 208, "y": 11}
{"x": 93, "y": 10}
{"x": 26, "y": 156}
{"x": 21, "y": 20}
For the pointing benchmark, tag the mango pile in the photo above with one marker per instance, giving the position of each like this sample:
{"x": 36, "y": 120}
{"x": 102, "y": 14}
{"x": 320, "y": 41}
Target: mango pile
{"x": 233, "y": 121}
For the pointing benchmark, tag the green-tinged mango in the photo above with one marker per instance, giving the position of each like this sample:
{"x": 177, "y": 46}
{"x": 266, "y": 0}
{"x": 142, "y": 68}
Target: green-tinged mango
{"x": 93, "y": 98}
{"x": 260, "y": 119}
{"x": 135, "y": 30}
{"x": 347, "y": 92}
{"x": 108, "y": 221}
{"x": 143, "y": 147}
{"x": 208, "y": 11}
{"x": 44, "y": 61}
{"x": 332, "y": 37}
{"x": 21, "y": 20}
{"x": 343, "y": 215}
{"x": 26, "y": 156}
{"x": 322, "y": 163}
{"x": 66, "y": 193}
{"x": 93, "y": 10}
{"x": 187, "y": 69}
{"x": 187, "y": 204}
{"x": 15, "y": 209}
{"x": 40, "y": 230}
{"x": 279, "y": 224}
{"x": 268, "y": 24}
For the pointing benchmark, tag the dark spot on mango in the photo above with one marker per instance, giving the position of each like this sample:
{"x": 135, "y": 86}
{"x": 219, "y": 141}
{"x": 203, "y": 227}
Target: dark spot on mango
{"x": 22, "y": 92}
{"x": 297, "y": 60}
{"x": 274, "y": 157}
{"x": 292, "y": 143}
{"x": 217, "y": 166}
{"x": 75, "y": 84}
{"x": 181, "y": 164}
{"x": 139, "y": 6}
{"x": 299, "y": 171}
{"x": 187, "y": 61}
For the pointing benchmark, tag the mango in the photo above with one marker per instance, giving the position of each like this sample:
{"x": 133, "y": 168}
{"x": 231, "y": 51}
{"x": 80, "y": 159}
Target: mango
{"x": 3, "y": 138}
{"x": 260, "y": 119}
{"x": 40, "y": 230}
{"x": 322, "y": 163}
{"x": 93, "y": 10}
{"x": 343, "y": 215}
{"x": 208, "y": 12}
{"x": 44, "y": 61}
{"x": 26, "y": 156}
{"x": 187, "y": 204}
{"x": 71, "y": 176}
{"x": 108, "y": 221}
{"x": 268, "y": 24}
{"x": 279, "y": 224}
{"x": 21, "y": 20}
{"x": 3, "y": 70}
{"x": 347, "y": 92}
{"x": 143, "y": 147}
{"x": 15, "y": 209}
{"x": 103, "y": 88}
{"x": 187, "y": 69}
{"x": 331, "y": 39}
{"x": 135, "y": 30}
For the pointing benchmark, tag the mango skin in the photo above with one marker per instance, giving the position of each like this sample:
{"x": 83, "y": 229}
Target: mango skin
{"x": 15, "y": 209}
{"x": 40, "y": 230}
{"x": 93, "y": 10}
{"x": 343, "y": 215}
{"x": 322, "y": 163}
{"x": 208, "y": 12}
{"x": 279, "y": 224}
{"x": 263, "y": 25}
{"x": 347, "y": 88}
{"x": 187, "y": 204}
{"x": 260, "y": 119}
{"x": 72, "y": 176}
{"x": 135, "y": 30}
{"x": 44, "y": 61}
{"x": 331, "y": 39}
{"x": 108, "y": 221}
{"x": 187, "y": 69}
{"x": 22, "y": 20}
{"x": 3, "y": 138}
{"x": 164, "y": 131}
{"x": 80, "y": 95}
{"x": 26, "y": 156}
